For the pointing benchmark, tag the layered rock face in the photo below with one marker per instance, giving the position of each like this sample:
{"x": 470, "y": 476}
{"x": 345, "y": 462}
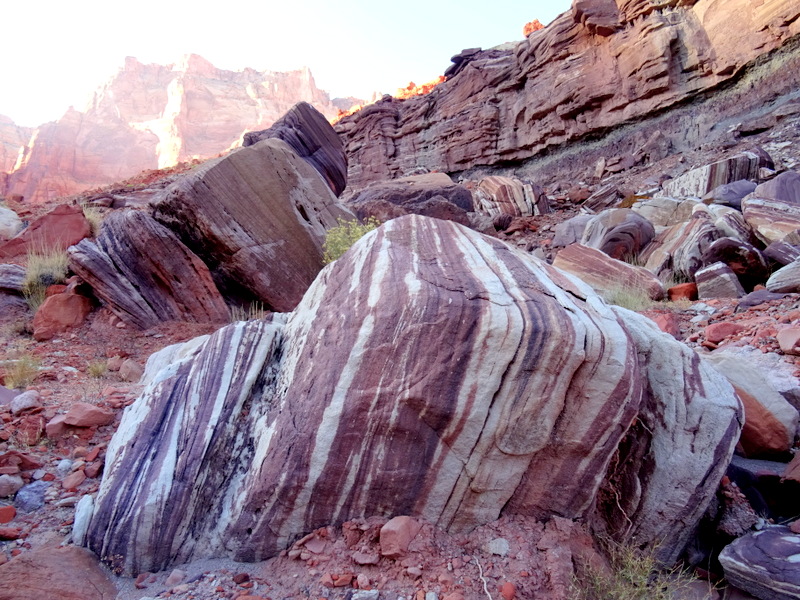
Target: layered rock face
{"x": 153, "y": 116}
{"x": 433, "y": 372}
{"x": 13, "y": 139}
{"x": 600, "y": 65}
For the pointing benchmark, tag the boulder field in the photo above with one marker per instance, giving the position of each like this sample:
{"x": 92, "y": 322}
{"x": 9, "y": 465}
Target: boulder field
{"x": 434, "y": 372}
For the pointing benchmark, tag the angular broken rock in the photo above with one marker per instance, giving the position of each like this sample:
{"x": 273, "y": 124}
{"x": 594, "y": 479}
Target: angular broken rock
{"x": 145, "y": 274}
{"x": 605, "y": 274}
{"x": 496, "y": 195}
{"x": 431, "y": 372}
{"x": 59, "y": 313}
{"x": 717, "y": 281}
{"x": 764, "y": 563}
{"x": 312, "y": 138}
{"x": 785, "y": 280}
{"x": 83, "y": 414}
{"x": 63, "y": 226}
{"x": 397, "y": 534}
{"x": 257, "y": 218}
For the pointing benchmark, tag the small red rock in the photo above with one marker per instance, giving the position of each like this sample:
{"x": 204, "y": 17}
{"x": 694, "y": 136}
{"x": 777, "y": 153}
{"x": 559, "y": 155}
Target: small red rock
{"x": 683, "y": 291}
{"x": 141, "y": 580}
{"x": 397, "y": 534}
{"x": 343, "y": 580}
{"x": 508, "y": 591}
{"x": 93, "y": 470}
{"x": 73, "y": 480}
{"x": 10, "y": 533}
{"x": 795, "y": 526}
{"x": 83, "y": 414}
{"x": 241, "y": 578}
{"x": 789, "y": 340}
{"x": 92, "y": 454}
{"x": 717, "y": 332}
{"x": 7, "y": 514}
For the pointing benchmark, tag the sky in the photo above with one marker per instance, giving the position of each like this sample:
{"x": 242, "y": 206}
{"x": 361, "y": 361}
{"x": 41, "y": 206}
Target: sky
{"x": 56, "y": 53}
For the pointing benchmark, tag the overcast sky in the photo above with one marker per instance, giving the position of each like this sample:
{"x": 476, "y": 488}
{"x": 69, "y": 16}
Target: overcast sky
{"x": 55, "y": 53}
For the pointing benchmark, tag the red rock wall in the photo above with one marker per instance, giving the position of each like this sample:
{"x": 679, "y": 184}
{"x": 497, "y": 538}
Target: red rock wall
{"x": 592, "y": 69}
{"x": 152, "y": 116}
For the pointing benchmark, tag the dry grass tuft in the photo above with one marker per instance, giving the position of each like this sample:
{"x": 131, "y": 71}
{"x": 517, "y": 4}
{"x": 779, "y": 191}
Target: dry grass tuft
{"x": 21, "y": 372}
{"x": 44, "y": 268}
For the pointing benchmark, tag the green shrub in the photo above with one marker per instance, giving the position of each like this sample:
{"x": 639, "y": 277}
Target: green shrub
{"x": 340, "y": 238}
{"x": 633, "y": 575}
{"x": 43, "y": 270}
{"x": 628, "y": 297}
{"x": 95, "y": 217}
{"x": 21, "y": 372}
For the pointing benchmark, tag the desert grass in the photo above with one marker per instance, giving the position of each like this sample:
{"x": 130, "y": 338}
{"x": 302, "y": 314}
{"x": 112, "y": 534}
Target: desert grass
{"x": 21, "y": 372}
{"x": 254, "y": 312}
{"x": 95, "y": 217}
{"x": 340, "y": 238}
{"x": 44, "y": 268}
{"x": 628, "y": 297}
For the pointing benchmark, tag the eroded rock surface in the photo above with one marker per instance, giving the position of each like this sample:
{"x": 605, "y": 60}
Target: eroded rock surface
{"x": 266, "y": 430}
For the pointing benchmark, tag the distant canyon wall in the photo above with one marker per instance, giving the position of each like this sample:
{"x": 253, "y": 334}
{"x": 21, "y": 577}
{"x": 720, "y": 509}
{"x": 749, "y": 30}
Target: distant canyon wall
{"x": 598, "y": 66}
{"x": 149, "y": 116}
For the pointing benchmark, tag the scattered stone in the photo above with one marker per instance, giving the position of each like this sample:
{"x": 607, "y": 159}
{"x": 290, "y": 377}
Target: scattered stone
{"x": 10, "y": 223}
{"x": 26, "y": 401}
{"x": 130, "y": 370}
{"x": 7, "y": 514}
{"x": 764, "y": 563}
{"x": 397, "y": 534}
{"x": 83, "y": 414}
{"x": 31, "y": 496}
{"x": 785, "y": 280}
{"x": 497, "y": 546}
{"x": 366, "y": 558}
{"x": 683, "y": 291}
{"x": 789, "y": 340}
{"x": 175, "y": 577}
{"x": 718, "y": 332}
{"x": 718, "y": 281}
{"x": 74, "y": 572}
{"x": 10, "y": 485}
{"x": 73, "y": 480}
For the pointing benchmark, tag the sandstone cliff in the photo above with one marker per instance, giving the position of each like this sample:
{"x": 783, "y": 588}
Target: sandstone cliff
{"x": 152, "y": 116}
{"x": 12, "y": 140}
{"x": 600, "y": 65}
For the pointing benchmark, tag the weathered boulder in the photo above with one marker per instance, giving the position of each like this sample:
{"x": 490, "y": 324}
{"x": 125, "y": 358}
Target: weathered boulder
{"x": 68, "y": 573}
{"x": 145, "y": 274}
{"x": 665, "y": 212}
{"x": 496, "y": 195}
{"x": 746, "y": 261}
{"x": 10, "y": 223}
{"x": 782, "y": 253}
{"x": 785, "y": 188}
{"x": 257, "y": 218}
{"x": 678, "y": 250}
{"x": 11, "y": 278}
{"x": 772, "y": 220}
{"x": 59, "y": 313}
{"x": 717, "y": 281}
{"x": 764, "y": 563}
{"x": 312, "y": 138}
{"x": 605, "y": 274}
{"x": 63, "y": 226}
{"x": 539, "y": 393}
{"x": 432, "y": 195}
{"x": 770, "y": 421}
{"x": 570, "y": 231}
{"x": 698, "y": 182}
{"x": 731, "y": 194}
{"x": 785, "y": 280}
{"x": 619, "y": 232}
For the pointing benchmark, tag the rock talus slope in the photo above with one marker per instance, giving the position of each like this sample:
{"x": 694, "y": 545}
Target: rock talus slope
{"x": 431, "y": 371}
{"x": 595, "y": 67}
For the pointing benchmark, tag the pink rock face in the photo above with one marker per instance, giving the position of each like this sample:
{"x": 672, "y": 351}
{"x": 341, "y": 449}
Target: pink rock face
{"x": 82, "y": 414}
{"x": 153, "y": 116}
{"x": 62, "y": 227}
{"x": 507, "y": 106}
{"x": 430, "y": 372}
{"x": 74, "y": 572}
{"x": 59, "y": 313}
{"x": 13, "y": 140}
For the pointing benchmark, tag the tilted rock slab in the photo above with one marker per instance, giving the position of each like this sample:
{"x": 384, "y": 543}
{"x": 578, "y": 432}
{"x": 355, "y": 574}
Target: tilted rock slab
{"x": 432, "y": 372}
{"x": 605, "y": 274}
{"x": 312, "y": 138}
{"x": 257, "y": 218}
{"x": 145, "y": 275}
{"x": 764, "y": 563}
{"x": 698, "y": 182}
{"x": 786, "y": 280}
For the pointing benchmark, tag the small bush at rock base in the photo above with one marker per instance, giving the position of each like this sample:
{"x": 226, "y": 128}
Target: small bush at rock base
{"x": 21, "y": 372}
{"x": 628, "y": 297}
{"x": 340, "y": 238}
{"x": 95, "y": 217}
{"x": 97, "y": 369}
{"x": 44, "y": 268}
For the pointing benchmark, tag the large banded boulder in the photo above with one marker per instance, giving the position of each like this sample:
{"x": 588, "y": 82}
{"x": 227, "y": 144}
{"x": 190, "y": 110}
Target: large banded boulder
{"x": 432, "y": 372}
{"x": 257, "y": 218}
{"x": 619, "y": 232}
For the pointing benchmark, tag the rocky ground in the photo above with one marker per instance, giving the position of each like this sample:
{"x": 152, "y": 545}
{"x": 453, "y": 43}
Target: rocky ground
{"x": 90, "y": 373}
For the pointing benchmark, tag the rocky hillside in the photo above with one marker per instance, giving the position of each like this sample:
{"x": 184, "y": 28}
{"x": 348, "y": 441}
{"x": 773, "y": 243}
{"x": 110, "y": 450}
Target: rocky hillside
{"x": 597, "y": 67}
{"x": 148, "y": 117}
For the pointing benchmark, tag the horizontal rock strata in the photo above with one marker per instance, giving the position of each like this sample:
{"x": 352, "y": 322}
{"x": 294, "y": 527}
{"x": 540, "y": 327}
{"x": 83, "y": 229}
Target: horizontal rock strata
{"x": 431, "y": 372}
{"x": 574, "y": 78}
